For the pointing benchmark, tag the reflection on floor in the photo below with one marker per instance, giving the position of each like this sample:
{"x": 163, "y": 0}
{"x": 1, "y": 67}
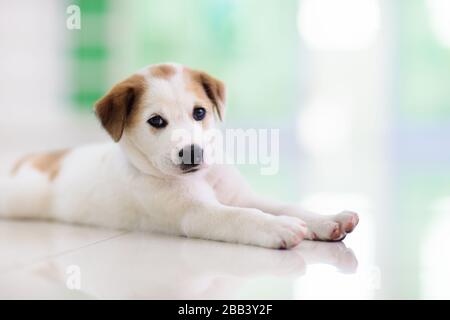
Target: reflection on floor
{"x": 50, "y": 260}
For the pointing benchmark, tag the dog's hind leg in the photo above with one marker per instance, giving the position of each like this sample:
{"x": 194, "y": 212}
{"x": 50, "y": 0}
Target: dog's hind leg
{"x": 24, "y": 197}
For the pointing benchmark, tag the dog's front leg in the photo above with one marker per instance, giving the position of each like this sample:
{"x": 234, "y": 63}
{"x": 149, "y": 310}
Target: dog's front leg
{"x": 242, "y": 225}
{"x": 320, "y": 227}
{"x": 231, "y": 189}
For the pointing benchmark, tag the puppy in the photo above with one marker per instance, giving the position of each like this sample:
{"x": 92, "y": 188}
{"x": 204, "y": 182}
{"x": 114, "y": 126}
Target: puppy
{"x": 138, "y": 182}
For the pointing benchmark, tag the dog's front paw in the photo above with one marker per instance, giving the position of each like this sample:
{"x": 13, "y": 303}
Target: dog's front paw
{"x": 285, "y": 232}
{"x": 334, "y": 228}
{"x": 347, "y": 221}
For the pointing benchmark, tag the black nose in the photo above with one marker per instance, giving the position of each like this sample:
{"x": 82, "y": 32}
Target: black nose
{"x": 191, "y": 156}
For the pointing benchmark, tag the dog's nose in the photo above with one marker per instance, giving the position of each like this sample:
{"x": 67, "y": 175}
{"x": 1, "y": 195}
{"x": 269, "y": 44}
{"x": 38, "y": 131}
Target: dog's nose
{"x": 191, "y": 156}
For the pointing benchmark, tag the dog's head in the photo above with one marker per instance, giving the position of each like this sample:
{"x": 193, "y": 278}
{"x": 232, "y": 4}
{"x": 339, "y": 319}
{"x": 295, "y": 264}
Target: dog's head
{"x": 158, "y": 114}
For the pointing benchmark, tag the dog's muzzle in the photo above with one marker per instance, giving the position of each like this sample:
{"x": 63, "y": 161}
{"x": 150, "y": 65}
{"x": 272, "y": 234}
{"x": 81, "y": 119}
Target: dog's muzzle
{"x": 191, "y": 157}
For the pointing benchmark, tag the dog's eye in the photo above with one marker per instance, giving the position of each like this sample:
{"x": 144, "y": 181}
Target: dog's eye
{"x": 199, "y": 113}
{"x": 157, "y": 122}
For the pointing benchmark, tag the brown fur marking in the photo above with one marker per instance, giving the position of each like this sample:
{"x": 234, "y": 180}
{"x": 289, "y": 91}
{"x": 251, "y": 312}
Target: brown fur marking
{"x": 49, "y": 163}
{"x": 164, "y": 71}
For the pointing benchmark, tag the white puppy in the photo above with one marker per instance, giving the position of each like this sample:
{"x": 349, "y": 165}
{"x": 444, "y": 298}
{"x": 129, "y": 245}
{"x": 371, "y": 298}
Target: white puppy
{"x": 138, "y": 182}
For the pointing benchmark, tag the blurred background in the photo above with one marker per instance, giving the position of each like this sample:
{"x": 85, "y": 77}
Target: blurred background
{"x": 358, "y": 88}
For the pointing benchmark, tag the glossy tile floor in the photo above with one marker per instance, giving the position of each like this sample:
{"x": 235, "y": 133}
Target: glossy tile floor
{"x": 49, "y": 260}
{"x": 41, "y": 260}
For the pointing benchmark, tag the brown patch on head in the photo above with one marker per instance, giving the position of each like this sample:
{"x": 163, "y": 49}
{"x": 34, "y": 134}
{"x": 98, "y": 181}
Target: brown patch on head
{"x": 116, "y": 107}
{"x": 164, "y": 71}
{"x": 206, "y": 87}
{"x": 49, "y": 163}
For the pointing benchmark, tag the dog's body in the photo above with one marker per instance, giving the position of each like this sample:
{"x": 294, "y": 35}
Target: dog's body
{"x": 135, "y": 183}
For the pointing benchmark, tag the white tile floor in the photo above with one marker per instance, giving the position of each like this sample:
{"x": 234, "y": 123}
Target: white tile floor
{"x": 37, "y": 260}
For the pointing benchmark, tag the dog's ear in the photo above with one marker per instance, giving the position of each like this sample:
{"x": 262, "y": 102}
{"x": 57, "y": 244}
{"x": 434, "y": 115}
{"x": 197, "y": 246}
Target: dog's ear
{"x": 116, "y": 106}
{"x": 215, "y": 91}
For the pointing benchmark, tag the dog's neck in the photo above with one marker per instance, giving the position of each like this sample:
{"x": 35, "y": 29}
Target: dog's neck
{"x": 137, "y": 158}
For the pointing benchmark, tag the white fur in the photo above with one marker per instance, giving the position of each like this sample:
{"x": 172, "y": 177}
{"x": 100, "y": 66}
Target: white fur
{"x": 134, "y": 185}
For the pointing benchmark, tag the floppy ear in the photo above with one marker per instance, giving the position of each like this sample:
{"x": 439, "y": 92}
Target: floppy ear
{"x": 115, "y": 107}
{"x": 215, "y": 91}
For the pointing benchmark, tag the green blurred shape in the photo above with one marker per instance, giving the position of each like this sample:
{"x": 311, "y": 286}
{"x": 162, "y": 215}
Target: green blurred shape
{"x": 86, "y": 98}
{"x": 251, "y": 45}
{"x": 92, "y": 6}
{"x": 90, "y": 52}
